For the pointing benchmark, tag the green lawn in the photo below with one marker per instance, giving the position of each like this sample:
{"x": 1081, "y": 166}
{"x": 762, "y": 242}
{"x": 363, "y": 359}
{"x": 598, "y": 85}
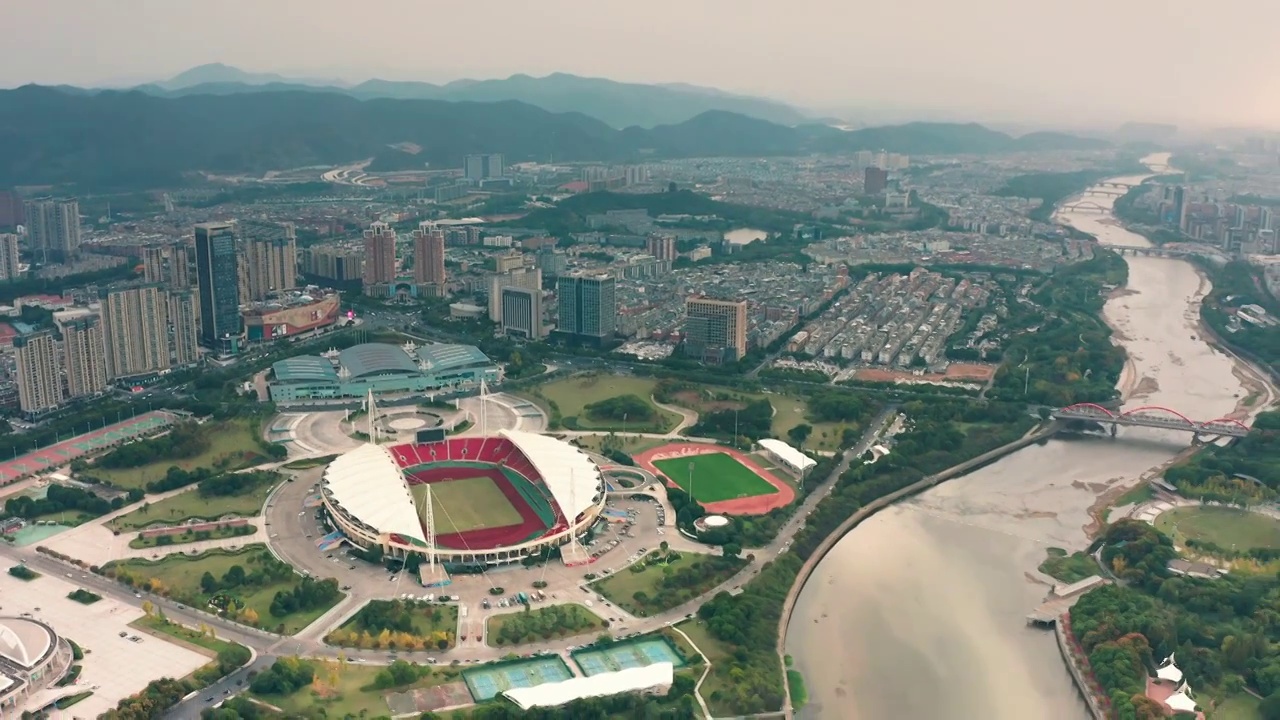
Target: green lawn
{"x": 719, "y": 656}
{"x": 572, "y": 395}
{"x": 427, "y": 619}
{"x": 180, "y": 575}
{"x": 788, "y": 412}
{"x": 1237, "y": 707}
{"x": 622, "y": 586}
{"x": 233, "y": 444}
{"x": 161, "y": 627}
{"x": 629, "y": 445}
{"x": 1068, "y": 568}
{"x": 467, "y": 504}
{"x": 580, "y": 619}
{"x": 191, "y": 505}
{"x": 1227, "y": 528}
{"x": 140, "y": 542}
{"x": 716, "y": 476}
{"x": 340, "y": 691}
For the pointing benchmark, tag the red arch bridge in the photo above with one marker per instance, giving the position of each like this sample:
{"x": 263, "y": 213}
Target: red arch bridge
{"x": 1151, "y": 416}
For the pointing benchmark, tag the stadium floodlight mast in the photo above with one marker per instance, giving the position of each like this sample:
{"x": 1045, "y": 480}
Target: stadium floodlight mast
{"x": 429, "y": 528}
{"x": 691, "y": 495}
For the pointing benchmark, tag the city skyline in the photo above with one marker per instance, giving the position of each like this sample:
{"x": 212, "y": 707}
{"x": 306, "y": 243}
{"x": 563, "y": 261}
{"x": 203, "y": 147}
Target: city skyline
{"x": 1066, "y": 65}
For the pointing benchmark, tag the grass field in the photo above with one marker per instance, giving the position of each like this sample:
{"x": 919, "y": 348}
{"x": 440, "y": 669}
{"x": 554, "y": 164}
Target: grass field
{"x": 191, "y": 504}
{"x": 581, "y": 618}
{"x": 788, "y": 412}
{"x": 621, "y": 586}
{"x": 1225, "y": 527}
{"x": 1068, "y": 568}
{"x": 346, "y": 690}
{"x": 719, "y": 656}
{"x": 716, "y": 476}
{"x": 572, "y": 395}
{"x": 1242, "y": 706}
{"x": 467, "y": 504}
{"x": 425, "y": 618}
{"x": 629, "y": 445}
{"x": 233, "y": 443}
{"x": 226, "y": 531}
{"x": 180, "y": 575}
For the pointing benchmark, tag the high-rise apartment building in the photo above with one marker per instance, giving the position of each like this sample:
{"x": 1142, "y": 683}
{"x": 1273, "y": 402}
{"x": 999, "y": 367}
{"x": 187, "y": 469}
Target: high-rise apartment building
{"x": 662, "y": 247}
{"x": 522, "y": 312}
{"x": 10, "y": 269}
{"x": 169, "y": 265}
{"x": 875, "y": 181}
{"x": 184, "y": 325}
{"x": 84, "y": 361}
{"x": 39, "y": 379}
{"x": 136, "y": 319}
{"x": 11, "y": 215}
{"x": 483, "y": 167}
{"x": 527, "y": 278}
{"x": 552, "y": 262}
{"x": 716, "y": 330}
{"x": 269, "y": 266}
{"x": 218, "y": 277}
{"x": 379, "y": 254}
{"x": 428, "y": 255}
{"x": 587, "y": 305}
{"x": 334, "y": 263}
{"x": 53, "y": 228}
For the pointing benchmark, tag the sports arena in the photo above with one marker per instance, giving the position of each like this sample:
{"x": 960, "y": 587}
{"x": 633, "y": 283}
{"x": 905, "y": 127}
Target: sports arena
{"x": 467, "y": 501}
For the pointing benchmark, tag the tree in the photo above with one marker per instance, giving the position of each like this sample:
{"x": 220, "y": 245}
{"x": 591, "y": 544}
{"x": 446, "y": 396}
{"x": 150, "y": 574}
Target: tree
{"x": 1269, "y": 709}
{"x": 732, "y": 550}
{"x": 148, "y": 607}
{"x": 208, "y": 583}
{"x": 800, "y": 433}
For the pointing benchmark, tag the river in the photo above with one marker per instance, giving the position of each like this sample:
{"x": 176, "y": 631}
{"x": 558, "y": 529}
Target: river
{"x": 919, "y": 612}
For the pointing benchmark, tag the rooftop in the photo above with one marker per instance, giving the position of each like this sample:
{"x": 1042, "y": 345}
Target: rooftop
{"x": 304, "y": 368}
{"x": 367, "y": 483}
{"x": 24, "y": 642}
{"x": 445, "y": 357}
{"x": 377, "y": 359}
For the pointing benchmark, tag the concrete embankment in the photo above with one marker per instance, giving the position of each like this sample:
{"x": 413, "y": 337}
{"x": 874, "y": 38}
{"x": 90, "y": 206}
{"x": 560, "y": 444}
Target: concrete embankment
{"x": 1077, "y": 674}
{"x": 879, "y": 504}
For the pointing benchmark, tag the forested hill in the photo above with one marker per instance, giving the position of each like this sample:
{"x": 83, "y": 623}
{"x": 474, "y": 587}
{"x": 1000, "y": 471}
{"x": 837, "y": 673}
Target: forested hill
{"x": 131, "y": 139}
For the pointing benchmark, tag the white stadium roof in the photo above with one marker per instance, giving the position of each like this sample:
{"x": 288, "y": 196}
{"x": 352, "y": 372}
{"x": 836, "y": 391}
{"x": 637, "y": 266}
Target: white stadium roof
{"x": 24, "y": 642}
{"x": 609, "y": 683}
{"x": 566, "y": 471}
{"x": 788, "y": 454}
{"x": 368, "y": 484}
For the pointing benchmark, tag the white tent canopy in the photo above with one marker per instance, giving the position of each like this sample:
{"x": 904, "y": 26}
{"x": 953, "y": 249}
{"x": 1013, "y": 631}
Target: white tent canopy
{"x": 1180, "y": 701}
{"x": 788, "y": 454}
{"x": 1169, "y": 672}
{"x": 608, "y": 683}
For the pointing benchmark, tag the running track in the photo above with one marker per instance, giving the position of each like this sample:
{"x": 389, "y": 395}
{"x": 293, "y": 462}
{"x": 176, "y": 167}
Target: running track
{"x": 781, "y": 496}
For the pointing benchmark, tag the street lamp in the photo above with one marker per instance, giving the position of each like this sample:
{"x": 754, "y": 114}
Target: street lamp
{"x": 691, "y": 496}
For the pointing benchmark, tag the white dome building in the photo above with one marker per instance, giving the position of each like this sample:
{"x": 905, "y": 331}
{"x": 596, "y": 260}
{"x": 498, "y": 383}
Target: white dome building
{"x": 32, "y": 657}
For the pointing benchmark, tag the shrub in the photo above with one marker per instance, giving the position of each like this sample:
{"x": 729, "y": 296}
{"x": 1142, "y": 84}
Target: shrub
{"x": 22, "y": 572}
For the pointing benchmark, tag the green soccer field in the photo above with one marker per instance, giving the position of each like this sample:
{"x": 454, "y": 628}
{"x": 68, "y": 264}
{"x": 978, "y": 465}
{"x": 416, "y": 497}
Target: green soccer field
{"x": 467, "y": 504}
{"x": 716, "y": 476}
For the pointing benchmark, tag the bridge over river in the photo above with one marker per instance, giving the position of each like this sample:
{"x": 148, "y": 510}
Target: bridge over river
{"x": 1152, "y": 416}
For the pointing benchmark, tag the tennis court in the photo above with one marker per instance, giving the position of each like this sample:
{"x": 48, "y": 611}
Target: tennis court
{"x": 487, "y": 682}
{"x": 61, "y": 453}
{"x": 624, "y": 656}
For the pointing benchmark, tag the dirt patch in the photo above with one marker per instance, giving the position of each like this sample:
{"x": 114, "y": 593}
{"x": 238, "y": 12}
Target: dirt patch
{"x": 1036, "y": 515}
{"x": 1145, "y": 387}
{"x": 956, "y": 372}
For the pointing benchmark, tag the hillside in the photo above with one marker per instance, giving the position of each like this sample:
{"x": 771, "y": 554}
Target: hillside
{"x": 135, "y": 140}
{"x": 616, "y": 104}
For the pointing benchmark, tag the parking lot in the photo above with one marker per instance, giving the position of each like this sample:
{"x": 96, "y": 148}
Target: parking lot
{"x": 114, "y": 667}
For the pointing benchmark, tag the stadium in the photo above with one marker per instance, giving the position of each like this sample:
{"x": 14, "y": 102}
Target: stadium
{"x": 464, "y": 501}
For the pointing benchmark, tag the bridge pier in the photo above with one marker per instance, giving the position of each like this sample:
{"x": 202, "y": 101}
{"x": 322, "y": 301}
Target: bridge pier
{"x": 1113, "y": 429}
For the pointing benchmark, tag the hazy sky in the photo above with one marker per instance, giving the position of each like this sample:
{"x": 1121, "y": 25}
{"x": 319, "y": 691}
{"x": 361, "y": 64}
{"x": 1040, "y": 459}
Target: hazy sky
{"x": 1061, "y": 61}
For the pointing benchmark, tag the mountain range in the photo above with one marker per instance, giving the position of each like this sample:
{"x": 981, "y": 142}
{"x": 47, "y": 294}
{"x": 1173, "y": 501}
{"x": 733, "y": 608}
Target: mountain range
{"x": 617, "y": 104}
{"x": 131, "y": 139}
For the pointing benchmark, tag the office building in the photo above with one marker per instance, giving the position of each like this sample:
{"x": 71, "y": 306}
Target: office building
{"x": 136, "y": 319}
{"x": 268, "y": 266}
{"x": 875, "y": 181}
{"x": 476, "y": 168}
{"x": 662, "y": 247}
{"x": 84, "y": 361}
{"x": 428, "y": 255}
{"x": 218, "y": 277}
{"x": 527, "y": 278}
{"x": 39, "y": 379}
{"x": 553, "y": 263}
{"x": 587, "y": 305}
{"x": 1181, "y": 205}
{"x": 10, "y": 269}
{"x": 184, "y": 327}
{"x": 522, "y": 312}
{"x": 53, "y": 228}
{"x": 169, "y": 265}
{"x": 338, "y": 264}
{"x": 379, "y": 255}
{"x": 716, "y": 330}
